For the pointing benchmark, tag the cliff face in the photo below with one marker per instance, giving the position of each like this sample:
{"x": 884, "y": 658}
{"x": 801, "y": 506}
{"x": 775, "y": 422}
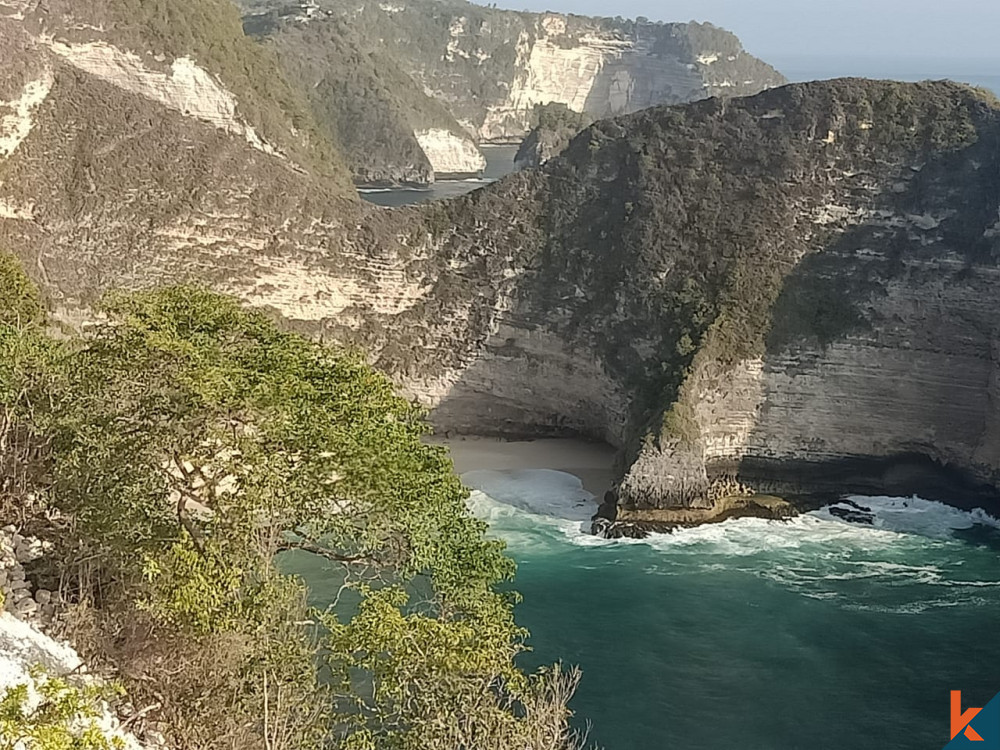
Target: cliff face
{"x": 785, "y": 293}
{"x": 387, "y": 128}
{"x": 189, "y": 56}
{"x": 490, "y": 69}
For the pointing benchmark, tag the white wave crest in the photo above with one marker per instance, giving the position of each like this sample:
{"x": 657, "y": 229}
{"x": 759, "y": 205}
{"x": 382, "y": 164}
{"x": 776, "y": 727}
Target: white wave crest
{"x": 914, "y": 515}
{"x": 909, "y": 546}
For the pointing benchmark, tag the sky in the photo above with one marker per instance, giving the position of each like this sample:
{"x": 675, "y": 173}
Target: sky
{"x": 954, "y": 30}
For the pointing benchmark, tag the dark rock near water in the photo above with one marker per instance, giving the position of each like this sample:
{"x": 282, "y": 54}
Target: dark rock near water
{"x": 852, "y": 512}
{"x": 624, "y": 530}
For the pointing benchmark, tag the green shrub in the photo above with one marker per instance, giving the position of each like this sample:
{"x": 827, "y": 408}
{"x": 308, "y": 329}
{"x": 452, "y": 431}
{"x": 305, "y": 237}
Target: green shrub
{"x": 62, "y": 716}
{"x": 21, "y": 301}
{"x": 192, "y": 443}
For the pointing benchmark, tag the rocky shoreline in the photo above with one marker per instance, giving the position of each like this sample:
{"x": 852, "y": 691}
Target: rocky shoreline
{"x": 612, "y": 522}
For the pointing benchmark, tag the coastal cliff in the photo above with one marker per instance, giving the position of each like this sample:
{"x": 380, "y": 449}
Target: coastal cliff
{"x": 480, "y": 73}
{"x": 787, "y": 293}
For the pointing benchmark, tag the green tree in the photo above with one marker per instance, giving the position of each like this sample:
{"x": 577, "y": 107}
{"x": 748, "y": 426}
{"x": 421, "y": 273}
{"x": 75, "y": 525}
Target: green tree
{"x": 25, "y": 353}
{"x": 193, "y": 443}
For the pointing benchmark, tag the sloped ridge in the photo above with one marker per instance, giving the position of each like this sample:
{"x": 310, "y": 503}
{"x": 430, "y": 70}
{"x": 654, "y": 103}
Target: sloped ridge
{"x": 195, "y": 47}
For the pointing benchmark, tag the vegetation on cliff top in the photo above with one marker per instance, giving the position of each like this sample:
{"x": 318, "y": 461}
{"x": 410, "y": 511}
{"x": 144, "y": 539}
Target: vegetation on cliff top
{"x": 211, "y": 33}
{"x": 362, "y": 100}
{"x": 53, "y": 714}
{"x": 686, "y": 201}
{"x": 186, "y": 447}
{"x": 554, "y": 126}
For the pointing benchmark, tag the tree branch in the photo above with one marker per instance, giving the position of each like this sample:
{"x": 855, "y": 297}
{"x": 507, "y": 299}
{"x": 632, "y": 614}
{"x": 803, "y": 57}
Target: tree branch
{"x": 329, "y": 554}
{"x": 182, "y": 498}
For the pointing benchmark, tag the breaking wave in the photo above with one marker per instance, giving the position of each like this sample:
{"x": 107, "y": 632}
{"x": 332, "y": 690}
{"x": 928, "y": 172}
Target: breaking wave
{"x": 911, "y": 555}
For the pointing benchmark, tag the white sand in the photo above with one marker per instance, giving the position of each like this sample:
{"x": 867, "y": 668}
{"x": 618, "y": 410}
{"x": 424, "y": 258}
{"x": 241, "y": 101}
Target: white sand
{"x": 593, "y": 463}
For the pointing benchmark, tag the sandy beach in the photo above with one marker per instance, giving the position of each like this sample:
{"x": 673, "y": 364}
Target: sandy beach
{"x": 593, "y": 463}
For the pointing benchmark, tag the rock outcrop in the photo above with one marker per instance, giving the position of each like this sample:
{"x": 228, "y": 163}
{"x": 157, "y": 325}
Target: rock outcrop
{"x": 486, "y": 70}
{"x": 556, "y": 126}
{"x": 450, "y": 155}
{"x": 30, "y": 660}
{"x": 792, "y": 294}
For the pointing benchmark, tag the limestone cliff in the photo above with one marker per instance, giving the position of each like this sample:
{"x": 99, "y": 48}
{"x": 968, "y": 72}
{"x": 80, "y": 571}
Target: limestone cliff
{"x": 388, "y": 129}
{"x": 786, "y": 293}
{"x": 490, "y": 69}
{"x": 190, "y": 56}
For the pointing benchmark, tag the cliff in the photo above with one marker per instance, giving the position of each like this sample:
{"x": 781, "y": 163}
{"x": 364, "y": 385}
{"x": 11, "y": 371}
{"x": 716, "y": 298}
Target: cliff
{"x": 389, "y": 131}
{"x": 190, "y": 57}
{"x": 789, "y": 293}
{"x": 487, "y": 70}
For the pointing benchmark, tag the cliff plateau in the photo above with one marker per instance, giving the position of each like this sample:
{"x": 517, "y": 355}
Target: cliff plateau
{"x": 791, "y": 293}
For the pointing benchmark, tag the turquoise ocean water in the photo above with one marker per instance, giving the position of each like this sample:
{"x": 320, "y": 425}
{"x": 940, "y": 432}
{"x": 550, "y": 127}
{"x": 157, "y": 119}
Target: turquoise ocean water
{"x": 807, "y": 634}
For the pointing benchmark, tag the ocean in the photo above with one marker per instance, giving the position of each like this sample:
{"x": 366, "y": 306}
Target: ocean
{"x": 499, "y": 163}
{"x": 810, "y": 634}
{"x": 983, "y": 72}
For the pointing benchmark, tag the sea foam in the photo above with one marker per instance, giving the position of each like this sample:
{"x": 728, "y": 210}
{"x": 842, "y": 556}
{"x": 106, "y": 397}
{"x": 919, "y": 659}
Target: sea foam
{"x": 910, "y": 545}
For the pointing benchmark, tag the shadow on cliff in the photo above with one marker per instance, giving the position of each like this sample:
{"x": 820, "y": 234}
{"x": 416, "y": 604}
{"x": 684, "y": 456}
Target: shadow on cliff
{"x": 881, "y": 354}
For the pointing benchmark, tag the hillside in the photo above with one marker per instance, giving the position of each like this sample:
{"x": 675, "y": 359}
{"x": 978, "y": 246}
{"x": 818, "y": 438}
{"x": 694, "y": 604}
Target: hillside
{"x": 554, "y": 127}
{"x": 163, "y": 38}
{"x": 445, "y": 75}
{"x": 743, "y": 295}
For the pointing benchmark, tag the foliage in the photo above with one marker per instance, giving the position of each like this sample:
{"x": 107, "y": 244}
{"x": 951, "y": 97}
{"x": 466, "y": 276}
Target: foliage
{"x": 211, "y": 33}
{"x": 192, "y": 443}
{"x": 555, "y": 125}
{"x": 51, "y": 714}
{"x": 555, "y": 116}
{"x": 25, "y": 352}
{"x": 22, "y": 304}
{"x": 436, "y": 684}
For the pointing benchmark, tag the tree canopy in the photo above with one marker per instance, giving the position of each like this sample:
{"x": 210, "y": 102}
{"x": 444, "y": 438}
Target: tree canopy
{"x": 191, "y": 445}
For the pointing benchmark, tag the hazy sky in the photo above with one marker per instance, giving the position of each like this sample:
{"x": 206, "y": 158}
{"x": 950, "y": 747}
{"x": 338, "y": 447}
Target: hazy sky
{"x": 953, "y": 29}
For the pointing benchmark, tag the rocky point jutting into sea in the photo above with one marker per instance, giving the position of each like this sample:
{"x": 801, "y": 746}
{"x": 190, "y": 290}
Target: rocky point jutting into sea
{"x": 789, "y": 294}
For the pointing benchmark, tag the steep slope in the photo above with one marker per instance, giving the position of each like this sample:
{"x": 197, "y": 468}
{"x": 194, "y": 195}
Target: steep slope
{"x": 381, "y": 120}
{"x": 781, "y": 293}
{"x": 191, "y": 56}
{"x": 489, "y": 69}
